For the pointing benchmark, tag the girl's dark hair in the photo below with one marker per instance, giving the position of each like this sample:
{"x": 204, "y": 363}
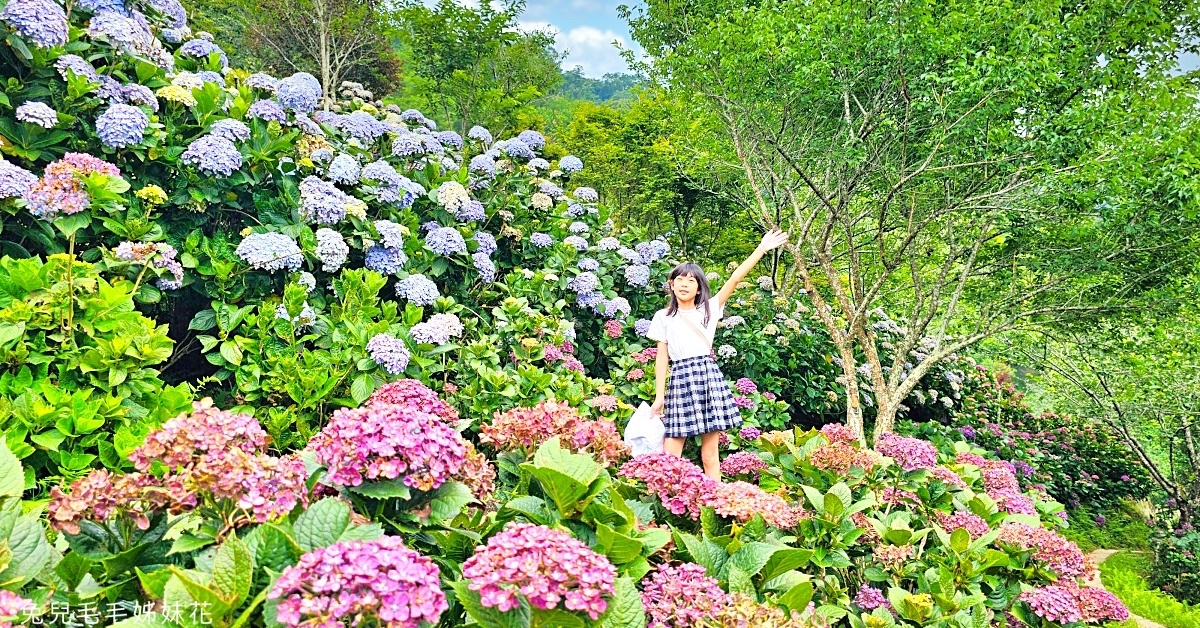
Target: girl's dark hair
{"x": 693, "y": 270}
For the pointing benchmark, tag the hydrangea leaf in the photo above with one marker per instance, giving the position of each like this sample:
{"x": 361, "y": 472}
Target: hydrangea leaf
{"x": 565, "y": 476}
{"x": 385, "y": 489}
{"x": 798, "y": 597}
{"x": 555, "y": 618}
{"x": 784, "y": 560}
{"x": 739, "y": 581}
{"x": 272, "y": 547}
{"x": 368, "y": 532}
{"x": 30, "y": 550}
{"x": 188, "y": 589}
{"x": 618, "y": 547}
{"x": 490, "y": 617}
{"x": 450, "y": 499}
{"x": 532, "y": 508}
{"x": 625, "y": 609}
{"x": 12, "y": 478}
{"x": 322, "y": 524}
{"x": 233, "y": 570}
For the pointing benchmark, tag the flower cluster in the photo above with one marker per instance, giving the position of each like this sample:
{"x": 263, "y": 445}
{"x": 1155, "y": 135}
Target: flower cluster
{"x": 13, "y": 606}
{"x": 322, "y": 203}
{"x": 418, "y": 289}
{"x": 909, "y": 453}
{"x": 681, "y": 597}
{"x": 742, "y": 501}
{"x": 60, "y": 189}
{"x": 839, "y": 457}
{"x": 544, "y": 566}
{"x": 387, "y": 442}
{"x": 869, "y": 598}
{"x": 524, "y": 429}
{"x": 37, "y": 113}
{"x": 414, "y": 394}
{"x": 971, "y": 522}
{"x": 389, "y": 352}
{"x": 15, "y": 181}
{"x": 100, "y": 495}
{"x": 679, "y": 484}
{"x": 446, "y": 241}
{"x": 746, "y": 386}
{"x": 438, "y": 330}
{"x": 299, "y": 92}
{"x": 331, "y": 249}
{"x": 270, "y": 252}
{"x": 1059, "y": 554}
{"x": 42, "y": 22}
{"x": 122, "y": 125}
{"x": 213, "y": 155}
{"x": 478, "y": 474}
{"x": 742, "y": 463}
{"x": 360, "y": 580}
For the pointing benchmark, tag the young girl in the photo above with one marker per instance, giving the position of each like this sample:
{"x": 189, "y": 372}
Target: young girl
{"x": 698, "y": 401}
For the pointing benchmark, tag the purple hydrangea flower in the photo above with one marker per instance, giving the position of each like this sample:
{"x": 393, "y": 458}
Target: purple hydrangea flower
{"x": 438, "y": 330}
{"x": 480, "y": 134}
{"x": 331, "y": 250}
{"x": 201, "y": 49}
{"x": 37, "y": 113}
{"x": 584, "y": 283}
{"x": 384, "y": 260}
{"x": 74, "y": 64}
{"x": 299, "y": 92}
{"x": 230, "y": 129}
{"x": 344, "y": 169}
{"x": 123, "y": 125}
{"x": 968, "y": 432}
{"x": 590, "y": 299}
{"x": 307, "y": 126}
{"x": 870, "y": 598}
{"x": 213, "y": 155}
{"x": 485, "y": 266}
{"x": 575, "y": 241}
{"x": 532, "y": 139}
{"x": 412, "y": 116}
{"x": 570, "y": 164}
{"x": 541, "y": 240}
{"x": 43, "y": 22}
{"x": 270, "y": 252}
{"x": 262, "y": 81}
{"x": 473, "y": 210}
{"x": 321, "y": 202}
{"x": 909, "y": 453}
{"x": 432, "y": 146}
{"x": 449, "y": 138}
{"x": 642, "y": 327}
{"x": 363, "y": 126}
{"x": 267, "y": 110}
{"x": 140, "y": 95}
{"x": 608, "y": 244}
{"x": 750, "y": 432}
{"x": 417, "y": 289}
{"x": 446, "y": 241}
{"x": 100, "y": 6}
{"x": 208, "y": 76}
{"x": 637, "y": 275}
{"x": 408, "y": 145}
{"x": 588, "y": 263}
{"x": 15, "y": 181}
{"x": 172, "y": 10}
{"x": 579, "y": 227}
{"x": 486, "y": 242}
{"x": 616, "y": 307}
{"x": 380, "y": 179}
{"x": 481, "y": 165}
{"x": 389, "y": 352}
{"x": 586, "y": 194}
{"x": 517, "y": 150}
{"x": 537, "y": 164}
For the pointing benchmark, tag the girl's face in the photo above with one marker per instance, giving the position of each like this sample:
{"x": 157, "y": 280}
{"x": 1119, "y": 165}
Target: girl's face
{"x": 685, "y": 288}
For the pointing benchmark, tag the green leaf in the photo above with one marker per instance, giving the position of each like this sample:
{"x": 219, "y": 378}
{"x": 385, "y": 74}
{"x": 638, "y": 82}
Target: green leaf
{"x": 564, "y": 476}
{"x": 231, "y": 352}
{"x": 739, "y": 581}
{"x": 798, "y": 597}
{"x": 362, "y": 387}
{"x": 833, "y": 505}
{"x": 490, "y": 617}
{"x": 752, "y": 557}
{"x": 959, "y": 540}
{"x": 188, "y": 543}
{"x": 555, "y": 618}
{"x": 368, "y": 532}
{"x": 12, "y": 477}
{"x": 385, "y": 489}
{"x": 784, "y": 560}
{"x": 625, "y": 609}
{"x": 273, "y": 547}
{"x": 72, "y": 568}
{"x": 449, "y": 501}
{"x": 198, "y": 591}
{"x": 618, "y": 547}
{"x": 233, "y": 571}
{"x": 322, "y": 524}
{"x": 154, "y": 581}
{"x": 146, "y": 620}
{"x": 532, "y": 508}
{"x": 30, "y": 550}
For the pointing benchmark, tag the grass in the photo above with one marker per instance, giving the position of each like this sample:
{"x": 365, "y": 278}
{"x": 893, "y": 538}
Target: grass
{"x": 1122, "y": 530}
{"x": 1123, "y": 575}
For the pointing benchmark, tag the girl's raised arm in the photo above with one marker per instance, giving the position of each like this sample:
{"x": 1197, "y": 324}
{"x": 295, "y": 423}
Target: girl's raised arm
{"x": 772, "y": 240}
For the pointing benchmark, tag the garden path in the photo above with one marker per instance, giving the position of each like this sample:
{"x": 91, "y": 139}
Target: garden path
{"x": 1101, "y": 555}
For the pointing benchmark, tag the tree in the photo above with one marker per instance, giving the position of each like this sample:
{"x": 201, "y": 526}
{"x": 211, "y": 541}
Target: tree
{"x": 472, "y": 65}
{"x": 925, "y": 156}
{"x": 334, "y": 39}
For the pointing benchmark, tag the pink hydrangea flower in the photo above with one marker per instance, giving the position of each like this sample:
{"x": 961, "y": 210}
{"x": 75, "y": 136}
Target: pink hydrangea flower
{"x": 14, "y": 606}
{"x": 947, "y": 476}
{"x": 414, "y": 394}
{"x": 635, "y": 375}
{"x": 608, "y": 403}
{"x": 743, "y": 402}
{"x": 552, "y": 353}
{"x": 60, "y": 189}
{"x": 909, "y": 453}
{"x": 746, "y": 386}
{"x": 572, "y": 363}
{"x": 972, "y": 523}
{"x": 387, "y": 442}
{"x": 379, "y": 580}
{"x": 680, "y": 485}
{"x": 681, "y": 597}
{"x": 207, "y": 429}
{"x": 1098, "y": 605}
{"x": 837, "y": 433}
{"x": 841, "y": 456}
{"x": 525, "y": 429}
{"x": 1059, "y": 554}
{"x": 612, "y": 328}
{"x": 545, "y": 566}
{"x": 870, "y": 598}
{"x": 1054, "y": 603}
{"x": 742, "y": 463}
{"x": 742, "y": 501}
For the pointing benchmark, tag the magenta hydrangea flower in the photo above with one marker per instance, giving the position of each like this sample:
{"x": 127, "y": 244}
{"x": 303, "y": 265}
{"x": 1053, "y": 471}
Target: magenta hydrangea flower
{"x": 353, "y": 581}
{"x": 837, "y": 433}
{"x": 414, "y": 394}
{"x": 681, "y": 597}
{"x": 743, "y": 402}
{"x": 1059, "y": 554}
{"x": 14, "y": 606}
{"x": 60, "y": 190}
{"x": 746, "y": 386}
{"x": 742, "y": 463}
{"x": 387, "y": 442}
{"x": 1053, "y": 602}
{"x": 679, "y": 484}
{"x": 545, "y": 566}
{"x": 750, "y": 432}
{"x": 869, "y": 598}
{"x": 1098, "y": 605}
{"x": 206, "y": 430}
{"x": 971, "y": 522}
{"x": 909, "y": 453}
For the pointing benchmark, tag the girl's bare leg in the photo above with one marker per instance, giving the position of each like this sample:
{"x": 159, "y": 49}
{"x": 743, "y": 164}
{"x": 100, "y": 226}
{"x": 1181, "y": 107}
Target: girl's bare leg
{"x": 674, "y": 445}
{"x": 711, "y": 455}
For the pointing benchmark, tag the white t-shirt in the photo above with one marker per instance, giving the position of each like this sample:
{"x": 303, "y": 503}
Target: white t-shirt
{"x": 683, "y": 341}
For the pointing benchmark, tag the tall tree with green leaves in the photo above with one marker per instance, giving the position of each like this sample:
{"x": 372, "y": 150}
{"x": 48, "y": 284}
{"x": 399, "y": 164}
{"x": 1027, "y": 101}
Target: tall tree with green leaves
{"x": 925, "y": 156}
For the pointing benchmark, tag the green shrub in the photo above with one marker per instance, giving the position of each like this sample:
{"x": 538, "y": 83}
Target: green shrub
{"x": 1177, "y": 565}
{"x": 1116, "y": 530}
{"x": 1122, "y": 575}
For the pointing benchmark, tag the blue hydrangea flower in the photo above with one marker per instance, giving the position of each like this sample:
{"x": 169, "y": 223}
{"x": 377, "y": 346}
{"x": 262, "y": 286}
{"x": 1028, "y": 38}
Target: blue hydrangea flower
{"x": 175, "y": 35}
{"x": 42, "y": 22}
{"x": 485, "y": 266}
{"x": 660, "y": 248}
{"x": 140, "y": 95}
{"x": 331, "y": 250}
{"x": 171, "y": 10}
{"x": 270, "y": 252}
{"x": 389, "y": 352}
{"x": 637, "y": 275}
{"x": 344, "y": 169}
{"x": 449, "y": 138}
{"x": 417, "y": 289}
{"x": 381, "y": 180}
{"x": 480, "y": 134}
{"x": 208, "y": 76}
{"x": 428, "y": 226}
{"x": 537, "y": 164}
{"x": 73, "y": 64}
{"x": 630, "y": 255}
{"x": 575, "y": 210}
{"x": 262, "y": 81}
{"x": 413, "y": 116}
{"x": 586, "y": 194}
{"x": 321, "y": 202}
{"x": 391, "y": 235}
{"x": 213, "y": 155}
{"x": 482, "y": 165}
{"x": 576, "y": 241}
{"x": 122, "y": 125}
{"x": 551, "y": 190}
{"x": 38, "y": 113}
{"x": 100, "y": 6}
{"x": 517, "y": 150}
{"x": 129, "y": 35}
{"x": 617, "y": 307}
{"x": 267, "y": 110}
{"x": 584, "y": 283}
{"x": 298, "y": 92}
{"x": 331, "y": 118}
{"x": 201, "y": 49}
{"x": 590, "y": 299}
{"x": 230, "y": 129}
{"x": 486, "y": 241}
{"x": 570, "y": 164}
{"x": 321, "y": 155}
{"x": 646, "y": 251}
{"x": 588, "y": 263}
{"x": 408, "y": 145}
{"x": 579, "y": 227}
{"x": 532, "y": 139}
{"x": 15, "y": 181}
{"x": 110, "y": 90}
{"x": 438, "y": 330}
{"x": 384, "y": 260}
{"x": 446, "y": 241}
{"x": 363, "y": 126}
{"x": 642, "y": 327}
{"x": 432, "y": 146}
{"x": 541, "y": 240}
{"x": 472, "y": 211}
{"x": 307, "y": 126}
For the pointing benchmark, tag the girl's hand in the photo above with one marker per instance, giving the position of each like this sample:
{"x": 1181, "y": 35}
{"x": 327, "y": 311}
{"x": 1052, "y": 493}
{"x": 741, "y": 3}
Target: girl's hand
{"x": 656, "y": 408}
{"x": 773, "y": 239}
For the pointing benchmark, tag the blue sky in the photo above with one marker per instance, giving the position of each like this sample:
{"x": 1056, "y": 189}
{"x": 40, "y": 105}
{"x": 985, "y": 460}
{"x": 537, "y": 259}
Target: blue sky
{"x": 589, "y": 31}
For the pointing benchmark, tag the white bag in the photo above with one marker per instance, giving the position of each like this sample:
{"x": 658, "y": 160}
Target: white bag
{"x": 644, "y": 433}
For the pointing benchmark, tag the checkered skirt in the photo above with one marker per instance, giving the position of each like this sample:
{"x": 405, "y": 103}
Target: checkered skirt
{"x": 698, "y": 399}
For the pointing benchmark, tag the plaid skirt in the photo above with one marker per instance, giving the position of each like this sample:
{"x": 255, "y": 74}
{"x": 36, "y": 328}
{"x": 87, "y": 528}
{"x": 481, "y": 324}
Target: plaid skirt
{"x": 698, "y": 399}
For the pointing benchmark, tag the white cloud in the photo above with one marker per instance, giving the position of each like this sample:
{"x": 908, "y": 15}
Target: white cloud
{"x": 592, "y": 49}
